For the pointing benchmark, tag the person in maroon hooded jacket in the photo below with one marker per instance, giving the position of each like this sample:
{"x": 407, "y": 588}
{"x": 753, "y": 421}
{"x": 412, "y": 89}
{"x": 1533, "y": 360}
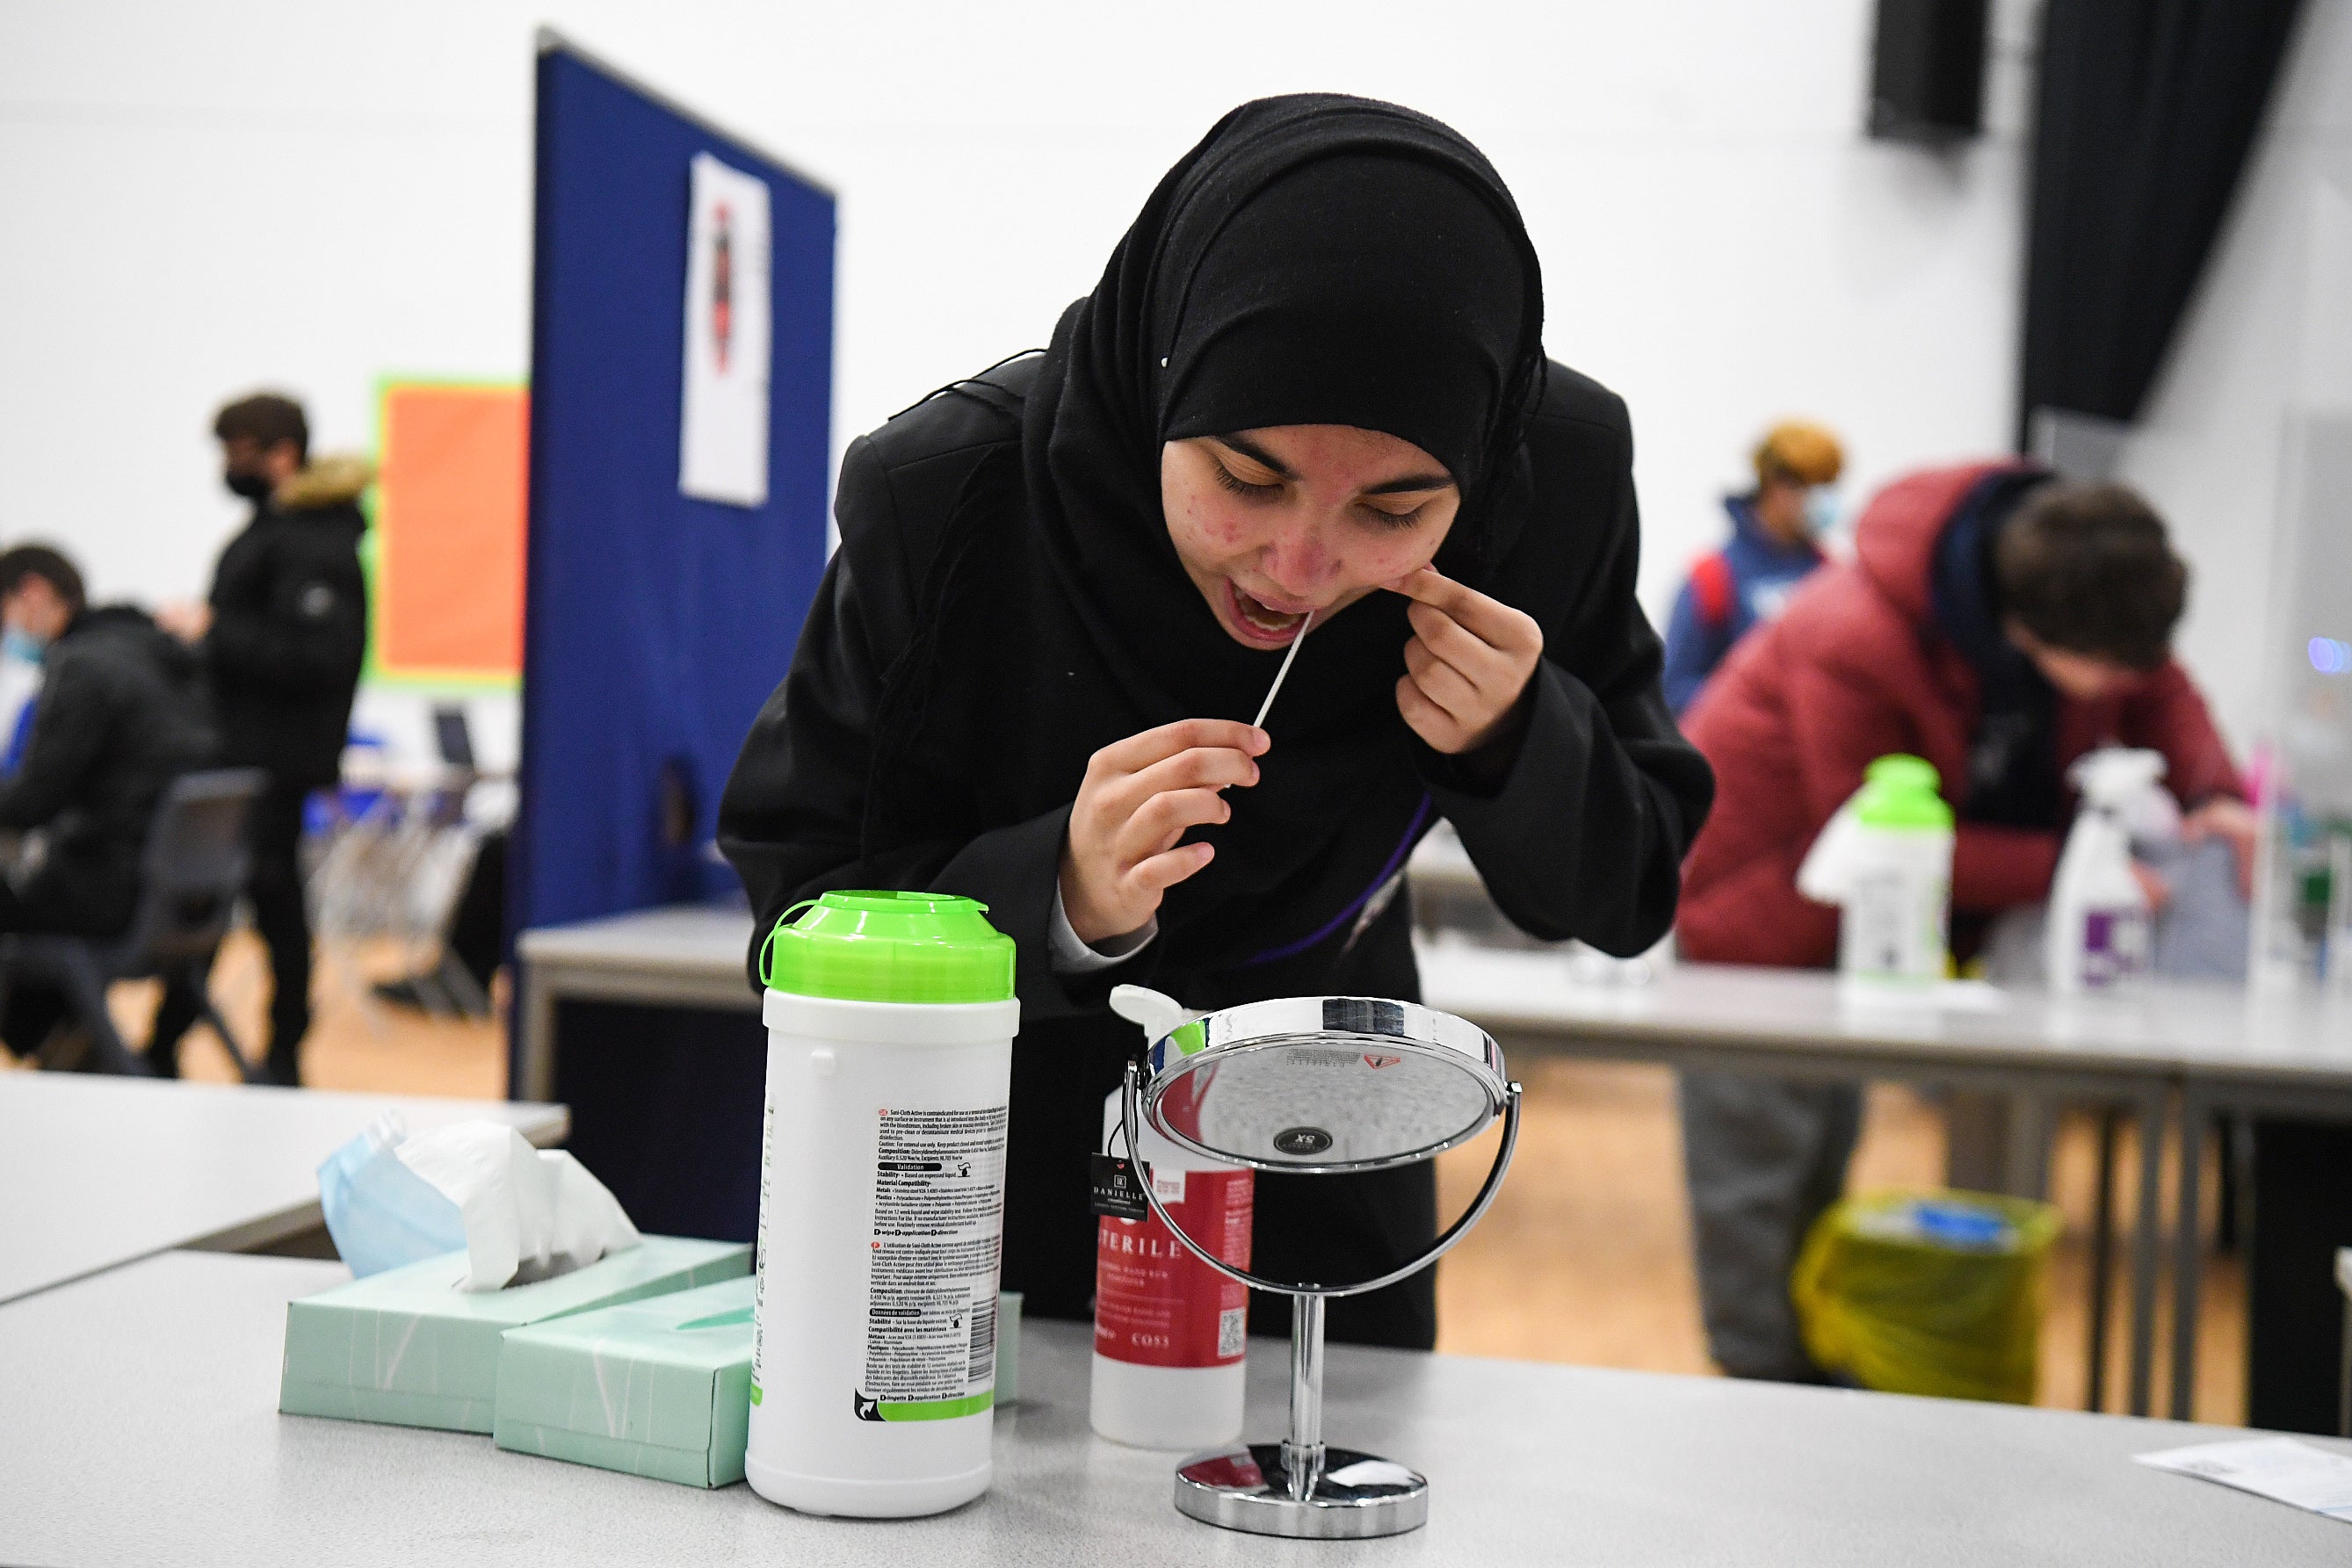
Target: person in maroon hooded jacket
{"x": 1999, "y": 624}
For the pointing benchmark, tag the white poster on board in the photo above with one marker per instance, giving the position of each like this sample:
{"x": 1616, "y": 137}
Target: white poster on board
{"x": 723, "y": 449}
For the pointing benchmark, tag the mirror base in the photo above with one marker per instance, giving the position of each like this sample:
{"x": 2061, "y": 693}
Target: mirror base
{"x": 1355, "y": 1496}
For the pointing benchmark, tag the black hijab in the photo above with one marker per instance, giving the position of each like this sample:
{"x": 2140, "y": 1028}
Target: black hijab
{"x": 1316, "y": 259}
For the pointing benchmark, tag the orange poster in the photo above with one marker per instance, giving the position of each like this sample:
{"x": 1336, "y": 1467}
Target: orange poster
{"x": 450, "y": 521}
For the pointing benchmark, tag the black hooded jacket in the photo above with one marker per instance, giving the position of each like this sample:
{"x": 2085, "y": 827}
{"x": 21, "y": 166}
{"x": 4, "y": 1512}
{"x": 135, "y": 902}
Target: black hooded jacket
{"x": 121, "y": 714}
{"x": 289, "y": 627}
{"x": 1006, "y": 602}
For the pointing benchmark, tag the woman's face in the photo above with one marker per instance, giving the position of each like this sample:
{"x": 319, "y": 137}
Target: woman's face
{"x": 1273, "y": 524}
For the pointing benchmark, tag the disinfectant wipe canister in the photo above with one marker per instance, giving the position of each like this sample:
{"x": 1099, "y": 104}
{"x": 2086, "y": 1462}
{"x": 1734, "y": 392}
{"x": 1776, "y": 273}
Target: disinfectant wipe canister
{"x": 1170, "y": 1331}
{"x": 2100, "y": 930}
{"x": 890, "y": 1022}
{"x": 1886, "y": 859}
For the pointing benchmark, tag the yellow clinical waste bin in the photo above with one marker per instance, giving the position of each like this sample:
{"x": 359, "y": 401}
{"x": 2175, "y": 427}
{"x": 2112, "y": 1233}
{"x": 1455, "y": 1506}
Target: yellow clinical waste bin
{"x": 1938, "y": 1293}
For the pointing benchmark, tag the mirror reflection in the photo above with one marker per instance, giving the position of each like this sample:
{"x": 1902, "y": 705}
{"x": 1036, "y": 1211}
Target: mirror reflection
{"x": 1327, "y": 1096}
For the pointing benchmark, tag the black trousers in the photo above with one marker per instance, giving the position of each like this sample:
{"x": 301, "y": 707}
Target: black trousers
{"x": 283, "y": 922}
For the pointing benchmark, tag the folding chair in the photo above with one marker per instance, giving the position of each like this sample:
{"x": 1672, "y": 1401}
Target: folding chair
{"x": 198, "y": 855}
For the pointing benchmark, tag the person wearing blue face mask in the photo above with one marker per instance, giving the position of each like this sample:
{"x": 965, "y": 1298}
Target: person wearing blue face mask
{"x": 1776, "y": 530}
{"x": 118, "y": 716}
{"x": 20, "y": 682}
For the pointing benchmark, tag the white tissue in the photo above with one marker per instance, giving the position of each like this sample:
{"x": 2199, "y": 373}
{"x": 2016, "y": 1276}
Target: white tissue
{"x": 530, "y": 1214}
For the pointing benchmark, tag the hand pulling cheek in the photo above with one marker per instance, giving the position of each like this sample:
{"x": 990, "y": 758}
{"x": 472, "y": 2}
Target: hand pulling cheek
{"x": 1468, "y": 665}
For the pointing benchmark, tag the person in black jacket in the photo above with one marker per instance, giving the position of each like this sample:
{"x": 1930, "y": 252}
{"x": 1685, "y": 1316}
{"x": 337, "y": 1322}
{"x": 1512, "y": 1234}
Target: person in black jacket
{"x": 118, "y": 716}
{"x": 1307, "y": 399}
{"x": 283, "y": 636}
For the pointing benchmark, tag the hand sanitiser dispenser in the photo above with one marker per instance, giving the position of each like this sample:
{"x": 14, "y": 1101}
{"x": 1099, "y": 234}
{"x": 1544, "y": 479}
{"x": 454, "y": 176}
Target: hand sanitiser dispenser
{"x": 890, "y": 1022}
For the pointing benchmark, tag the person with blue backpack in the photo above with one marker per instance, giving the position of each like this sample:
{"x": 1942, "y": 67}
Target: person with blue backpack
{"x": 1775, "y": 545}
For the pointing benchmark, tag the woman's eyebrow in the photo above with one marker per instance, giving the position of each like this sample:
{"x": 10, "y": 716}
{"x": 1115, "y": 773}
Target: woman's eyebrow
{"x": 1256, "y": 454}
{"x": 1407, "y": 485}
{"x": 1412, "y": 482}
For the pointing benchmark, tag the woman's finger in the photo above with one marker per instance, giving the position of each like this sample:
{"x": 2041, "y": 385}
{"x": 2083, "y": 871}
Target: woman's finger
{"x": 1210, "y": 767}
{"x": 1137, "y": 752}
{"x": 1164, "y": 870}
{"x": 1496, "y": 676}
{"x": 1443, "y": 683}
{"x": 1489, "y": 620}
{"x": 1429, "y": 721}
{"x": 1431, "y": 587}
{"x": 1160, "y": 821}
{"x": 1447, "y": 638}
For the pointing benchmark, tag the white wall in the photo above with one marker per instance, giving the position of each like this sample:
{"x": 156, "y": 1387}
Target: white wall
{"x": 201, "y": 199}
{"x": 2268, "y": 333}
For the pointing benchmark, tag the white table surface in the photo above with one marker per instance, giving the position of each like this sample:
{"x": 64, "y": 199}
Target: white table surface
{"x": 98, "y": 1171}
{"x": 140, "y": 1427}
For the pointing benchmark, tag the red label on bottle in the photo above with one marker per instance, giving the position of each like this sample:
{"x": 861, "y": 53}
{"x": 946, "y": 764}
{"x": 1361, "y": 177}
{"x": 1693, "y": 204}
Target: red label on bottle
{"x": 1157, "y": 1305}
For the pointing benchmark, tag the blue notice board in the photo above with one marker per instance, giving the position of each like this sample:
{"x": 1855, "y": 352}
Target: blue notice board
{"x": 655, "y": 624}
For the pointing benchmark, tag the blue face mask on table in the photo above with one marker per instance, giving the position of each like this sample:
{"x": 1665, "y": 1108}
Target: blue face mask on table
{"x": 380, "y": 1213}
{"x": 21, "y": 646}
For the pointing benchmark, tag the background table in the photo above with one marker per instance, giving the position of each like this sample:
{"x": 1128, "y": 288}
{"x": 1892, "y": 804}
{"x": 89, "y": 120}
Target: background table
{"x": 96, "y": 1172}
{"x": 140, "y": 1427}
{"x": 689, "y": 956}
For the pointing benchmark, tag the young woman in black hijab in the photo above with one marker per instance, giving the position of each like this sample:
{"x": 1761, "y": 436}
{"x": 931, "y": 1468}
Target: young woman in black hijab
{"x": 1310, "y": 384}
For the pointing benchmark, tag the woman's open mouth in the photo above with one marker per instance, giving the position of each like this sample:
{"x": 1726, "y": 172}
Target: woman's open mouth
{"x": 1259, "y": 623}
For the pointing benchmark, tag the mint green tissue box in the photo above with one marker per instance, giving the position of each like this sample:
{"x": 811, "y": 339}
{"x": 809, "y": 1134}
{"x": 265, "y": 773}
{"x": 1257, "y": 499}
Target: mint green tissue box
{"x": 407, "y": 1347}
{"x": 658, "y": 1387}
{"x": 1008, "y": 1347}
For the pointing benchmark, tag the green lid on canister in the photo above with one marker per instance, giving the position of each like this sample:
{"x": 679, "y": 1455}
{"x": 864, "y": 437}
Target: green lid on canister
{"x": 1899, "y": 792}
{"x": 870, "y": 947}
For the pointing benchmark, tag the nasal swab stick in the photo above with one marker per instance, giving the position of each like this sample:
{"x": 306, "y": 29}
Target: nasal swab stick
{"x": 1267, "y": 706}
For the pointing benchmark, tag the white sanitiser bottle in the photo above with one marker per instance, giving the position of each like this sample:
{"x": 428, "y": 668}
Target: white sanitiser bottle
{"x": 2100, "y": 931}
{"x": 1885, "y": 859}
{"x": 890, "y": 1022}
{"x": 1170, "y": 1331}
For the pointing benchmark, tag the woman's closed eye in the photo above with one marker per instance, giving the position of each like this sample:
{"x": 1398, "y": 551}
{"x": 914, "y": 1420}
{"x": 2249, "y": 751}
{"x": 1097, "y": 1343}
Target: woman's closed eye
{"x": 1240, "y": 486}
{"x": 1389, "y": 517}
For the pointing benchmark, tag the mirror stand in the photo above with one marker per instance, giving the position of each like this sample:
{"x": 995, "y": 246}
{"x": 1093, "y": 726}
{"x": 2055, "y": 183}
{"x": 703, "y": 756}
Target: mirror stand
{"x": 1300, "y": 1486}
{"x": 1297, "y": 1487}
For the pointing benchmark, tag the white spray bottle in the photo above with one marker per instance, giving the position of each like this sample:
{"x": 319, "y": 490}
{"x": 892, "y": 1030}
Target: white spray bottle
{"x": 2101, "y": 928}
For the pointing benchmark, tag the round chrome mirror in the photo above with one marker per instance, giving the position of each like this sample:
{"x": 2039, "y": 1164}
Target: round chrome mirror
{"x": 1324, "y": 1084}
{"x": 1318, "y": 1086}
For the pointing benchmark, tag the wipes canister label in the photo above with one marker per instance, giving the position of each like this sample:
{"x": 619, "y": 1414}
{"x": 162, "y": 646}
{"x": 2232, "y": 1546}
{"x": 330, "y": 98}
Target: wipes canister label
{"x": 931, "y": 1265}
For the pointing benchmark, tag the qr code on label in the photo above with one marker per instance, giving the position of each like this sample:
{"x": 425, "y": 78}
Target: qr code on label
{"x": 1230, "y": 1324}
